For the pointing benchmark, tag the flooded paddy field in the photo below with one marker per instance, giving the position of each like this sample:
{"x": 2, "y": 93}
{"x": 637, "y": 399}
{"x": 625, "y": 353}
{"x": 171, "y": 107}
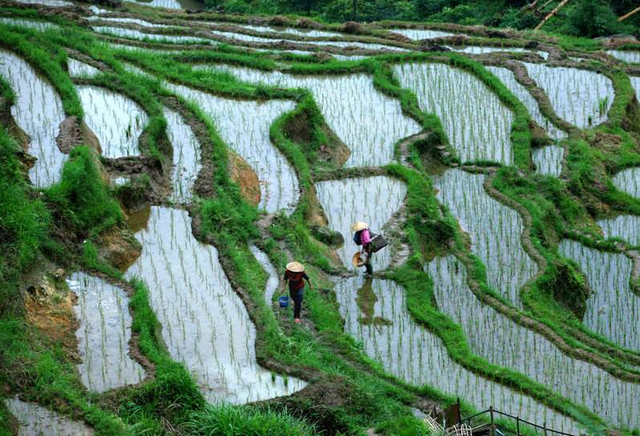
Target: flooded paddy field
{"x": 501, "y": 341}
{"x": 34, "y": 420}
{"x": 548, "y": 160}
{"x": 40, "y": 122}
{"x": 366, "y": 120}
{"x": 375, "y": 312}
{"x": 613, "y": 308}
{"x": 493, "y": 228}
{"x": 116, "y": 120}
{"x": 477, "y": 123}
{"x": 373, "y": 200}
{"x": 205, "y": 324}
{"x": 580, "y": 97}
{"x": 104, "y": 334}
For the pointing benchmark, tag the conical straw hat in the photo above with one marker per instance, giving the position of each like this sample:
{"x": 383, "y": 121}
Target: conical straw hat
{"x": 295, "y": 267}
{"x": 359, "y": 225}
{"x": 357, "y": 260}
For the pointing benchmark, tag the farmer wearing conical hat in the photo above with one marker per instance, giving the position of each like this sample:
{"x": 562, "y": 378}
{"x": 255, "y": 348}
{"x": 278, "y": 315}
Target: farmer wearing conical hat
{"x": 363, "y": 237}
{"x": 295, "y": 275}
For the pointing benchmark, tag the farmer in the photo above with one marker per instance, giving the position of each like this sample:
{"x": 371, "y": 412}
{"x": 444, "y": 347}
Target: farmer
{"x": 296, "y": 276}
{"x": 363, "y": 237}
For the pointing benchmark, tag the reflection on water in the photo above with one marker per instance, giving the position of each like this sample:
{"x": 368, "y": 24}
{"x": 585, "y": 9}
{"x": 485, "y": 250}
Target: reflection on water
{"x": 38, "y": 111}
{"x": 502, "y": 342}
{"x": 418, "y": 357}
{"x": 35, "y": 420}
{"x": 205, "y": 324}
{"x": 370, "y": 199}
{"x": 104, "y": 334}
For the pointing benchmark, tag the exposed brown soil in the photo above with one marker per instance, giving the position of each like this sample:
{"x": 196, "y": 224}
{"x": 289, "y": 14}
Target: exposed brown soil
{"x": 245, "y": 177}
{"x": 119, "y": 248}
{"x": 73, "y": 133}
{"x": 49, "y": 307}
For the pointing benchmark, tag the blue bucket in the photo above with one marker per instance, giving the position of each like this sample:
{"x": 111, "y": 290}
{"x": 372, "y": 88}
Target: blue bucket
{"x": 284, "y": 301}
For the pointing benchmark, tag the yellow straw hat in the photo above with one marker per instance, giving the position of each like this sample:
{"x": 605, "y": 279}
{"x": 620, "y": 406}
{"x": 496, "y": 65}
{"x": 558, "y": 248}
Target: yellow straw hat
{"x": 359, "y": 225}
{"x": 357, "y": 260}
{"x": 295, "y": 267}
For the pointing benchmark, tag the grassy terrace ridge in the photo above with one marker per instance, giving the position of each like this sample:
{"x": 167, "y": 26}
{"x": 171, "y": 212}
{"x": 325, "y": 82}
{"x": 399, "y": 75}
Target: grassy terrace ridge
{"x": 63, "y": 225}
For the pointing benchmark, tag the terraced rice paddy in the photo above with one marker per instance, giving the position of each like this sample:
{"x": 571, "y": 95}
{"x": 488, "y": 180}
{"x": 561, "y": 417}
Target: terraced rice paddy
{"x": 32, "y": 24}
{"x": 613, "y": 308}
{"x": 186, "y": 157}
{"x": 80, "y": 69}
{"x": 501, "y": 341}
{"x": 170, "y": 4}
{"x": 34, "y": 420}
{"x": 628, "y": 181}
{"x": 244, "y": 126}
{"x": 366, "y": 120}
{"x": 580, "y": 97}
{"x": 507, "y": 77}
{"x": 205, "y": 324}
{"x": 371, "y": 199}
{"x": 40, "y": 121}
{"x": 104, "y": 334}
{"x": 435, "y": 335}
{"x": 375, "y": 313}
{"x": 273, "y": 280}
{"x": 632, "y": 57}
{"x": 116, "y": 120}
{"x": 477, "y": 123}
{"x": 548, "y": 160}
{"x": 626, "y": 227}
{"x": 420, "y": 34}
{"x": 493, "y": 228}
{"x": 141, "y": 36}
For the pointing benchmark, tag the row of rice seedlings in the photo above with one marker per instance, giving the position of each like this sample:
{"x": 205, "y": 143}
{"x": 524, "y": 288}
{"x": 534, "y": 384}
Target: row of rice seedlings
{"x": 613, "y": 310}
{"x": 481, "y": 49}
{"x": 103, "y": 334}
{"x": 128, "y": 21}
{"x": 116, "y": 120}
{"x": 205, "y": 324}
{"x": 273, "y": 280}
{"x": 136, "y": 34}
{"x": 635, "y": 82}
{"x": 38, "y": 111}
{"x": 507, "y": 77}
{"x": 477, "y": 123}
{"x": 366, "y": 120}
{"x": 312, "y": 33}
{"x": 80, "y": 69}
{"x": 494, "y": 230}
{"x": 53, "y": 3}
{"x": 420, "y": 34}
{"x": 413, "y": 354}
{"x": 35, "y": 420}
{"x": 632, "y": 57}
{"x": 170, "y": 4}
{"x": 502, "y": 342}
{"x": 371, "y": 199}
{"x": 31, "y": 24}
{"x": 144, "y": 49}
{"x": 628, "y": 181}
{"x": 626, "y": 227}
{"x": 244, "y": 126}
{"x": 186, "y": 157}
{"x": 548, "y": 160}
{"x": 341, "y": 44}
{"x": 580, "y": 97}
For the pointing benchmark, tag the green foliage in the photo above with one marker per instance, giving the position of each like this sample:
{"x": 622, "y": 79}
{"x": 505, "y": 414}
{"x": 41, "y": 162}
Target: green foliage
{"x": 228, "y": 420}
{"x": 24, "y": 222}
{"x": 82, "y": 197}
{"x": 406, "y": 426}
{"x": 593, "y": 18}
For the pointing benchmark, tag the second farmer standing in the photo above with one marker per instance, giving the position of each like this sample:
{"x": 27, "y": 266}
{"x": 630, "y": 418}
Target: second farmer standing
{"x": 295, "y": 275}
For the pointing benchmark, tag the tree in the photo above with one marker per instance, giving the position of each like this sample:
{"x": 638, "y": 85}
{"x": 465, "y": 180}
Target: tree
{"x": 593, "y": 18}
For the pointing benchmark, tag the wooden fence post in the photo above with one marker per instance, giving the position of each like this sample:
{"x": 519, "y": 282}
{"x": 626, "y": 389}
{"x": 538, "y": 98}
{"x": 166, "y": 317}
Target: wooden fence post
{"x": 518, "y": 425}
{"x": 492, "y": 431}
